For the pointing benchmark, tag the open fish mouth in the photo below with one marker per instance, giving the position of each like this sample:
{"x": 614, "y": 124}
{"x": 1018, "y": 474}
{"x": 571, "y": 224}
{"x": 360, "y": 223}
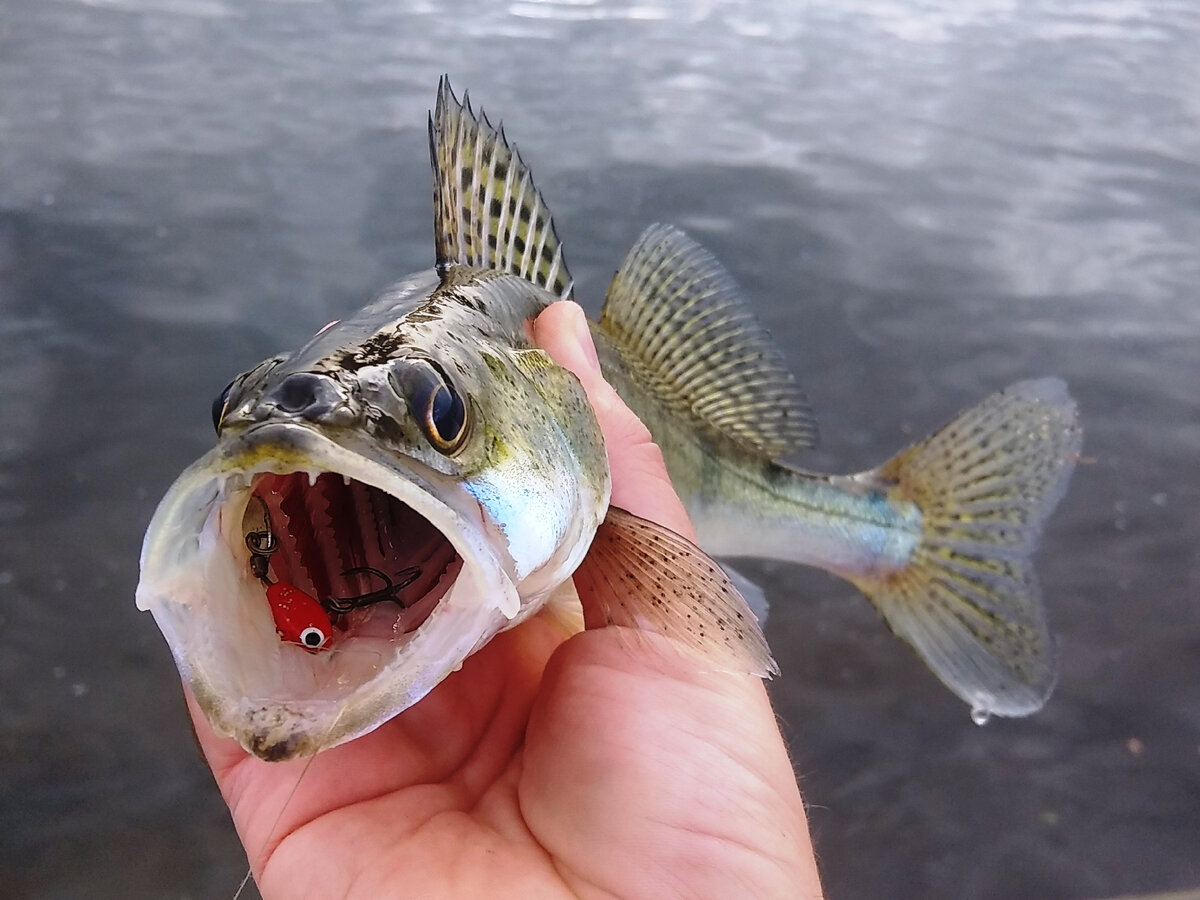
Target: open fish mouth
{"x": 280, "y": 529}
{"x": 374, "y": 565}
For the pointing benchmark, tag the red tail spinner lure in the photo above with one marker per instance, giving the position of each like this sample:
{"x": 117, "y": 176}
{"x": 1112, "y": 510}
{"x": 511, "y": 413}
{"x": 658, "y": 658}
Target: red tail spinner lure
{"x": 299, "y": 618}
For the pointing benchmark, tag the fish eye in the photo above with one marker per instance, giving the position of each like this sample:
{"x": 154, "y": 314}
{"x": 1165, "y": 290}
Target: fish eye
{"x": 313, "y": 638}
{"x": 219, "y": 407}
{"x": 436, "y": 405}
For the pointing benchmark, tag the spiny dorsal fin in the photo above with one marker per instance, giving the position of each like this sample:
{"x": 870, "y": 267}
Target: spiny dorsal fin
{"x": 487, "y": 213}
{"x": 678, "y": 317}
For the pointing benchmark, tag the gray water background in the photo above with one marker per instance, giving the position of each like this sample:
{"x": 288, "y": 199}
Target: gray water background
{"x": 924, "y": 199}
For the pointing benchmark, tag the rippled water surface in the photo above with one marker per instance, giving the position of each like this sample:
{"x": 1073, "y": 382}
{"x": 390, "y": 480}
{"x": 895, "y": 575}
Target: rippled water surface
{"x": 925, "y": 199}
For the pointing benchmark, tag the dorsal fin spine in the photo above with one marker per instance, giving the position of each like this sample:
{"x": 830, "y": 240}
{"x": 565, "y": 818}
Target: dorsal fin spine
{"x": 514, "y": 223}
{"x": 507, "y": 221}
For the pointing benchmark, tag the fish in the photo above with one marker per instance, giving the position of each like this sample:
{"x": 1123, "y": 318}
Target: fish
{"x": 419, "y": 476}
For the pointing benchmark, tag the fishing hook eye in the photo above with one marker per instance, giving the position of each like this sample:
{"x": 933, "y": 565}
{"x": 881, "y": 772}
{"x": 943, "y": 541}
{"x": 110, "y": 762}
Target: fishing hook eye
{"x": 262, "y": 543}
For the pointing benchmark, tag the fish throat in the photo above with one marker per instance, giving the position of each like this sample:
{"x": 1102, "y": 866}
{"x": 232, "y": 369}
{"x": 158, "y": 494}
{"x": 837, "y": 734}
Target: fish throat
{"x": 375, "y": 566}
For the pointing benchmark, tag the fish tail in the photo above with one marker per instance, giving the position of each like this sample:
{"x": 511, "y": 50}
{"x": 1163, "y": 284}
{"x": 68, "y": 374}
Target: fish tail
{"x": 968, "y": 601}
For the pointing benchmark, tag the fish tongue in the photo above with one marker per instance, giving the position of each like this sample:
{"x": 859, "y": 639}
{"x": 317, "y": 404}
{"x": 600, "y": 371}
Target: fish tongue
{"x": 642, "y": 575}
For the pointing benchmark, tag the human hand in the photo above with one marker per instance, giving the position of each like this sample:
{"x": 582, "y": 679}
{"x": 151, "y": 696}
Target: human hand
{"x": 546, "y": 766}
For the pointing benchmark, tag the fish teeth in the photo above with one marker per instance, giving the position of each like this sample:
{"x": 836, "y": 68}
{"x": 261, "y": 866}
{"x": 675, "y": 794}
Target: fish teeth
{"x": 312, "y": 478}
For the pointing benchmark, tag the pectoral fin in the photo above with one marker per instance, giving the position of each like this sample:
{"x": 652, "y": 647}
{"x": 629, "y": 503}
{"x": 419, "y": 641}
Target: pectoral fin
{"x": 755, "y": 596}
{"x": 642, "y": 575}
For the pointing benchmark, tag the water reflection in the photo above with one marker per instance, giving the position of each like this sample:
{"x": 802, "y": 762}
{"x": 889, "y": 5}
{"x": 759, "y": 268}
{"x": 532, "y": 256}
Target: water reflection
{"x": 926, "y": 199}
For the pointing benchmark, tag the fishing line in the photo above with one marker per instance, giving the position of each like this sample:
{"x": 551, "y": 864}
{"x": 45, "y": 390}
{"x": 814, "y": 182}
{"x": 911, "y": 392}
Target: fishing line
{"x": 261, "y": 856}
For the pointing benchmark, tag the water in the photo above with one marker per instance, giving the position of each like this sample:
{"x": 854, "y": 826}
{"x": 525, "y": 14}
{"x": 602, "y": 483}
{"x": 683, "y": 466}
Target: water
{"x": 925, "y": 199}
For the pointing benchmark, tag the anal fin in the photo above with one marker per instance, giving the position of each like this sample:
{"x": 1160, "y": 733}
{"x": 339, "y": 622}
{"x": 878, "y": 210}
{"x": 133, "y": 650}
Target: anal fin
{"x": 642, "y": 575}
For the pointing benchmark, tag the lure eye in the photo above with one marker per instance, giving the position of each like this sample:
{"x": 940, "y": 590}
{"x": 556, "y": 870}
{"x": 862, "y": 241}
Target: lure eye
{"x": 220, "y": 406}
{"x": 435, "y": 404}
{"x": 313, "y": 638}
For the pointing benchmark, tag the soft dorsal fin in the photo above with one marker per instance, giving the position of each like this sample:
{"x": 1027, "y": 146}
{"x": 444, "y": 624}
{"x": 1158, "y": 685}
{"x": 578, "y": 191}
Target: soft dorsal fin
{"x": 676, "y": 314}
{"x": 487, "y": 213}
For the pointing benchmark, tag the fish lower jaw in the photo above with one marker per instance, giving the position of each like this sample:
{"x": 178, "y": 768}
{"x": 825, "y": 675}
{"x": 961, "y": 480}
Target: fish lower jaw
{"x": 337, "y": 535}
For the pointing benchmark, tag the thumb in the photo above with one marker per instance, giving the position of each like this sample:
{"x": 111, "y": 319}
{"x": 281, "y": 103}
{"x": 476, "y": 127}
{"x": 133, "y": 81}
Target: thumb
{"x": 640, "y": 481}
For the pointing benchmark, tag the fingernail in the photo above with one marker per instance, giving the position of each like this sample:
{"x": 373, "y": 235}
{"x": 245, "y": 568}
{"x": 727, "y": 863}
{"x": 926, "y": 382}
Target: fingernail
{"x": 584, "y": 335}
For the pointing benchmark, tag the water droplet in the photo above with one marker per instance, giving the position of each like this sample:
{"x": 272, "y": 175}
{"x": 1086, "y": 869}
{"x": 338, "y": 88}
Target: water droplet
{"x": 980, "y": 716}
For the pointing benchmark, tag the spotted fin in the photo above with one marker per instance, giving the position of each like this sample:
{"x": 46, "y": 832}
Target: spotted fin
{"x": 487, "y": 213}
{"x": 968, "y": 601}
{"x": 683, "y": 327}
{"x": 755, "y": 596}
{"x": 641, "y": 575}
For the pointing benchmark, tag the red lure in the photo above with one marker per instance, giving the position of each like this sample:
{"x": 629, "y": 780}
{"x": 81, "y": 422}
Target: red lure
{"x": 299, "y": 619}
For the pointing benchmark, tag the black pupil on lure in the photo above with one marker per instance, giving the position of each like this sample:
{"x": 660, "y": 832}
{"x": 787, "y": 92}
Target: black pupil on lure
{"x": 312, "y": 637}
{"x": 446, "y": 413}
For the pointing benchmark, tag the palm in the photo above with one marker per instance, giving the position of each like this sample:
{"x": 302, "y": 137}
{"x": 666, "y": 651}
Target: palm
{"x": 619, "y": 773}
{"x": 602, "y": 766}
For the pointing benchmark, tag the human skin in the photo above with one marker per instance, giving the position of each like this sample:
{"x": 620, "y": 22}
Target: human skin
{"x": 595, "y": 766}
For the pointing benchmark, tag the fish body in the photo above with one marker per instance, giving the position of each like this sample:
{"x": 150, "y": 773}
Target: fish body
{"x": 427, "y": 477}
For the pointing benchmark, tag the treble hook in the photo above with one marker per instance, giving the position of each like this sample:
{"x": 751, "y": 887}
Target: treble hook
{"x": 389, "y": 591}
{"x": 261, "y": 545}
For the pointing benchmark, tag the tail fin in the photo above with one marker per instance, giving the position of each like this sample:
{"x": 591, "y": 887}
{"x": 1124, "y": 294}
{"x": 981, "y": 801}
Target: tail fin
{"x": 968, "y": 601}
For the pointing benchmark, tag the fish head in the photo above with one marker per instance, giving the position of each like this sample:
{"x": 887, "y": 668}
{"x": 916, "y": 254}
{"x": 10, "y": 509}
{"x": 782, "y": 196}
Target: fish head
{"x": 426, "y": 482}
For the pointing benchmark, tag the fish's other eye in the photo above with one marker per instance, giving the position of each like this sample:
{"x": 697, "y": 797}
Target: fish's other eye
{"x": 313, "y": 638}
{"x": 219, "y": 407}
{"x": 435, "y": 404}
